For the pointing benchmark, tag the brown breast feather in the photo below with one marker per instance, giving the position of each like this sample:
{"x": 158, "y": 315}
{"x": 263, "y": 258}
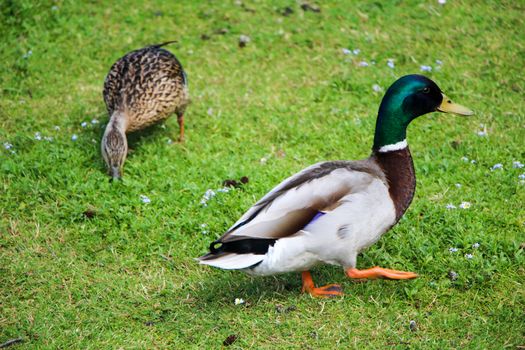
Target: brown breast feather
{"x": 399, "y": 170}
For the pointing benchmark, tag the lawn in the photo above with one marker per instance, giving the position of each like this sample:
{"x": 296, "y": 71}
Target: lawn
{"x": 87, "y": 264}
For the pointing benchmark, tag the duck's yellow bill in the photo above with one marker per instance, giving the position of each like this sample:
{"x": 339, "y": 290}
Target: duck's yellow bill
{"x": 447, "y": 106}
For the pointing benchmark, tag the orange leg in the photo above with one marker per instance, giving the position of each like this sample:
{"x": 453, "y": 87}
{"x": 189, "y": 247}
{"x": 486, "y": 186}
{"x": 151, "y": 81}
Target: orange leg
{"x": 330, "y": 290}
{"x": 180, "y": 119}
{"x": 379, "y": 272}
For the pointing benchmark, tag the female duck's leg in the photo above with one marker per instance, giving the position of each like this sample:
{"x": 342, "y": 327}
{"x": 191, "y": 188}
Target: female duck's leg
{"x": 180, "y": 119}
{"x": 379, "y": 272}
{"x": 330, "y": 290}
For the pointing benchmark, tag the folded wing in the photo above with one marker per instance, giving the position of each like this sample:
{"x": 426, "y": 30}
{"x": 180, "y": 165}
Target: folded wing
{"x": 288, "y": 208}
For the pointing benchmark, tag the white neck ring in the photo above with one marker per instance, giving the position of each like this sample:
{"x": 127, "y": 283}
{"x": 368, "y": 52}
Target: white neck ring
{"x": 394, "y": 147}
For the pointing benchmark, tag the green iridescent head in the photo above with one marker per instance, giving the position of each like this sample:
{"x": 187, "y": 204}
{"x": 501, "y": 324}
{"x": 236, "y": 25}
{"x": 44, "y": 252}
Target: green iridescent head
{"x": 408, "y": 98}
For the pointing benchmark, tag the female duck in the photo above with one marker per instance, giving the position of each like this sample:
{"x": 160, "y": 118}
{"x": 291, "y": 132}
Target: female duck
{"x": 330, "y": 211}
{"x": 142, "y": 88}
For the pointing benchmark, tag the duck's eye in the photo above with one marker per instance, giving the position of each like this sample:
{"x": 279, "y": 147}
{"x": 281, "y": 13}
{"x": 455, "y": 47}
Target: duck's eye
{"x": 426, "y": 90}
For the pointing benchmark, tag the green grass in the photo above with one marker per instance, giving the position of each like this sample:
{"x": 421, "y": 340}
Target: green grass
{"x": 126, "y": 277}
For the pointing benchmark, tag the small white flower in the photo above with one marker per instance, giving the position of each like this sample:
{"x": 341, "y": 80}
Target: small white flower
{"x": 450, "y": 206}
{"x": 521, "y": 176}
{"x": 210, "y": 111}
{"x": 7, "y": 145}
{"x": 94, "y": 121}
{"x": 473, "y": 161}
{"x": 207, "y": 196}
{"x": 425, "y": 68}
{"x": 38, "y": 136}
{"x": 496, "y": 166}
{"x": 517, "y": 165}
{"x": 465, "y": 205}
{"x": 390, "y": 63}
{"x": 439, "y": 62}
{"x": 465, "y": 159}
{"x": 263, "y": 160}
{"x": 239, "y": 301}
{"x": 469, "y": 256}
{"x": 74, "y": 137}
{"x": 204, "y": 225}
{"x": 209, "y": 193}
{"x": 169, "y": 141}
{"x": 28, "y": 54}
{"x": 452, "y": 250}
{"x": 442, "y": 2}
{"x": 56, "y": 127}
{"x": 54, "y": 8}
{"x": 453, "y": 275}
{"x": 145, "y": 199}
{"x": 83, "y": 124}
{"x": 475, "y": 245}
{"x": 48, "y": 138}
{"x": 356, "y": 51}
{"x": 346, "y": 51}
{"x": 244, "y": 39}
{"x": 482, "y": 133}
{"x": 458, "y": 185}
{"x": 377, "y": 88}
{"x": 363, "y": 64}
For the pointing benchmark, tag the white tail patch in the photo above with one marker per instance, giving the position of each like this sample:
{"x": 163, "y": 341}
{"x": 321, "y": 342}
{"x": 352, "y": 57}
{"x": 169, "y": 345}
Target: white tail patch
{"x": 394, "y": 147}
{"x": 234, "y": 261}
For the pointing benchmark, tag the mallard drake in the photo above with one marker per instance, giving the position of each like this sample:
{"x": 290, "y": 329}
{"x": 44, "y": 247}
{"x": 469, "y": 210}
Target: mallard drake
{"x": 331, "y": 211}
{"x": 142, "y": 88}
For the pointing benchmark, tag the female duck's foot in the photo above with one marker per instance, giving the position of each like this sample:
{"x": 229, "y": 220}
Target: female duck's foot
{"x": 330, "y": 290}
{"x": 379, "y": 272}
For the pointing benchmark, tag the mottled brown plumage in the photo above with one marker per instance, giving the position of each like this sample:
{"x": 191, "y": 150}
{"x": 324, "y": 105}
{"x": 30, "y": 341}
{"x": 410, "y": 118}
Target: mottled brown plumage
{"x": 142, "y": 88}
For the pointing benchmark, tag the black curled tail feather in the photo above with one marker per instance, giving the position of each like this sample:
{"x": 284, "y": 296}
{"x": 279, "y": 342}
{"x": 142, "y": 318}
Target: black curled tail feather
{"x": 164, "y": 43}
{"x": 242, "y": 246}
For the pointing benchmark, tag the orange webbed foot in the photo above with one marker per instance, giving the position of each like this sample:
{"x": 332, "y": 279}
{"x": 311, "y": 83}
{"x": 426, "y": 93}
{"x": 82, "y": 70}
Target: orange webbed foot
{"x": 379, "y": 272}
{"x": 330, "y": 290}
